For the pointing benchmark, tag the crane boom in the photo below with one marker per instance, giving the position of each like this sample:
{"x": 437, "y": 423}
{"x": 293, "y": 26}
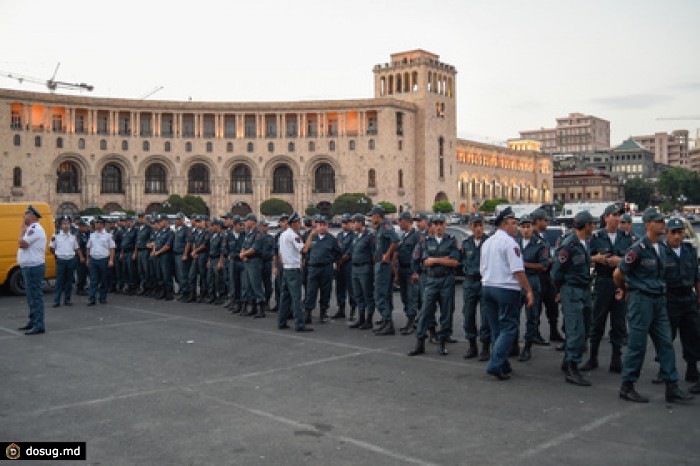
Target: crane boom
{"x": 687, "y": 117}
{"x": 51, "y": 83}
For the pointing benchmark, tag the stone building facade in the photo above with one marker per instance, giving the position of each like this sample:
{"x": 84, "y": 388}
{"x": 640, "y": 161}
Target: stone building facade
{"x": 668, "y": 149}
{"x": 575, "y": 133}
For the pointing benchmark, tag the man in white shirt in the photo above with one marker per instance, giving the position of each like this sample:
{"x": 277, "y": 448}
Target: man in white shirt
{"x": 100, "y": 251}
{"x": 289, "y": 255}
{"x": 64, "y": 245}
{"x": 503, "y": 277}
{"x": 31, "y": 257}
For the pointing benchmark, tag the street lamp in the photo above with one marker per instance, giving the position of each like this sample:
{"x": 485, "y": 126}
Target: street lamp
{"x": 682, "y": 200}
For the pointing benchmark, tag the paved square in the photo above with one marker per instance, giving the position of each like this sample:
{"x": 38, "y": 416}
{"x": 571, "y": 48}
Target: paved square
{"x": 153, "y": 382}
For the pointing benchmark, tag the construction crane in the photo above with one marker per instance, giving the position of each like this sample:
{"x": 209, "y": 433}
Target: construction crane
{"x": 151, "y": 92}
{"x": 51, "y": 83}
{"x": 687, "y": 117}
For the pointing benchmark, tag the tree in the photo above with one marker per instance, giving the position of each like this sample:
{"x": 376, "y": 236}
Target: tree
{"x": 388, "y": 207}
{"x": 676, "y": 182}
{"x": 188, "y": 205}
{"x": 490, "y": 205}
{"x": 275, "y": 206}
{"x": 91, "y": 211}
{"x": 443, "y": 207}
{"x": 639, "y": 191}
{"x": 351, "y": 203}
{"x": 311, "y": 210}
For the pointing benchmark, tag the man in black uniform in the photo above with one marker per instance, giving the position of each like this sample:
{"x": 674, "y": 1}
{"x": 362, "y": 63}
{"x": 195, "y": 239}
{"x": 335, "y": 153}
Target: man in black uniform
{"x": 127, "y": 258}
{"x": 215, "y": 263}
{"x": 163, "y": 254}
{"x": 540, "y": 222}
{"x": 267, "y": 252}
{"x": 182, "y": 240}
{"x": 322, "y": 251}
{"x": 200, "y": 256}
{"x": 143, "y": 236}
{"x": 343, "y": 270}
{"x": 361, "y": 252}
{"x": 403, "y": 270}
{"x": 82, "y": 270}
{"x": 116, "y": 227}
{"x": 236, "y": 277}
{"x": 277, "y": 269}
{"x": 471, "y": 290}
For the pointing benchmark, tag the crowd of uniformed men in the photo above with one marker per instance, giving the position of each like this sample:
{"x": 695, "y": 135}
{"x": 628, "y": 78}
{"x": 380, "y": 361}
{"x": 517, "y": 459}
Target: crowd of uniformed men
{"x": 645, "y": 286}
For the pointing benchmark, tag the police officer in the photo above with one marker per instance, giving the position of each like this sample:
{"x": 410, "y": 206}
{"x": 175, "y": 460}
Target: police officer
{"x": 163, "y": 253}
{"x": 290, "y": 295}
{"x": 682, "y": 278}
{"x": 471, "y": 289}
{"x": 322, "y": 251}
{"x": 309, "y": 226}
{"x": 267, "y": 253}
{"x": 608, "y": 245}
{"x": 277, "y": 269}
{"x": 540, "y": 222}
{"x": 143, "y": 236}
{"x": 236, "y": 277}
{"x": 82, "y": 235}
{"x": 343, "y": 270}
{"x": 640, "y": 277}
{"x": 361, "y": 258}
{"x": 387, "y": 241}
{"x": 439, "y": 255}
{"x": 153, "y": 266}
{"x": 215, "y": 263}
{"x": 199, "y": 253}
{"x": 536, "y": 260}
{"x": 127, "y": 258}
{"x": 403, "y": 256}
{"x": 626, "y": 223}
{"x": 425, "y": 229}
{"x": 252, "y": 267}
{"x": 64, "y": 245}
{"x": 31, "y": 257}
{"x": 182, "y": 241}
{"x": 572, "y": 278}
{"x": 115, "y": 273}
{"x": 100, "y": 258}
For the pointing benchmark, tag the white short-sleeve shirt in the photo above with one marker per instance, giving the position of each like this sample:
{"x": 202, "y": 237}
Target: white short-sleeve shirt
{"x": 100, "y": 243}
{"x": 64, "y": 245}
{"x": 290, "y": 249}
{"x": 35, "y": 254}
{"x": 500, "y": 259}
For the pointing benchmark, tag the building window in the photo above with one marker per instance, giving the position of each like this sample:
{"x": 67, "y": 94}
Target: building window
{"x": 103, "y": 144}
{"x": 17, "y": 140}
{"x": 125, "y": 145}
{"x": 68, "y": 180}
{"x": 37, "y": 141}
{"x": 400, "y": 145}
{"x": 324, "y": 179}
{"x": 241, "y": 179}
{"x": 371, "y": 144}
{"x": 210, "y": 147}
{"x": 59, "y": 143}
{"x": 441, "y": 157}
{"x": 229, "y": 147}
{"x": 17, "y": 177}
{"x": 372, "y": 178}
{"x": 401, "y": 179}
{"x": 290, "y": 147}
{"x": 283, "y": 180}
{"x": 167, "y": 146}
{"x": 146, "y": 146}
{"x": 351, "y": 145}
{"x": 111, "y": 179}
{"x": 399, "y": 123}
{"x": 188, "y": 146}
{"x": 249, "y": 147}
{"x": 198, "y": 179}
{"x": 312, "y": 146}
{"x": 331, "y": 146}
{"x": 81, "y": 143}
{"x": 270, "y": 147}
{"x": 156, "y": 179}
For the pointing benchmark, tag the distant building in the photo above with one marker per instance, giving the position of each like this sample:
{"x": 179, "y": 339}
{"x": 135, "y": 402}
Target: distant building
{"x": 587, "y": 186}
{"x": 632, "y": 160}
{"x": 669, "y": 149}
{"x": 576, "y": 133}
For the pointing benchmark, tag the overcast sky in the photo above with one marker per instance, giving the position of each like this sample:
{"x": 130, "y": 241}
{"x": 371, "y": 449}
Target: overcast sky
{"x": 520, "y": 63}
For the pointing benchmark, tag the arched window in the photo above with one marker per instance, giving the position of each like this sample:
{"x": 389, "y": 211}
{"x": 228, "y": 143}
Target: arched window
{"x": 125, "y": 145}
{"x": 441, "y": 157}
{"x": 156, "y": 179}
{"x": 146, "y": 146}
{"x": 371, "y": 144}
{"x": 103, "y": 144}
{"x": 291, "y": 147}
{"x": 37, "y": 141}
{"x": 229, "y": 147}
{"x": 270, "y": 147}
{"x": 188, "y": 146}
{"x": 210, "y": 147}
{"x": 59, "y": 143}
{"x": 198, "y": 179}
{"x": 351, "y": 145}
{"x": 17, "y": 140}
{"x": 167, "y": 146}
{"x": 283, "y": 180}
{"x": 17, "y": 177}
{"x": 68, "y": 180}
{"x": 249, "y": 147}
{"x": 400, "y": 179}
{"x": 111, "y": 179}
{"x": 241, "y": 179}
{"x": 324, "y": 179}
{"x": 312, "y": 146}
{"x": 81, "y": 143}
{"x": 331, "y": 146}
{"x": 371, "y": 178}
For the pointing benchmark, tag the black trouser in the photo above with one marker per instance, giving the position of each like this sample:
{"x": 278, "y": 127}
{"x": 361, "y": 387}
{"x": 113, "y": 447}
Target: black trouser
{"x": 82, "y": 272}
{"x": 198, "y": 273}
{"x": 549, "y": 299}
{"x": 267, "y": 279}
{"x": 684, "y": 319}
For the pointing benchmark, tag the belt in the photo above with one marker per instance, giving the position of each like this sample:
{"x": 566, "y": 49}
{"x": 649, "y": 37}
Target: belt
{"x": 320, "y": 265}
{"x": 99, "y": 258}
{"x": 474, "y": 276}
{"x": 360, "y": 264}
{"x": 65, "y": 258}
{"x": 681, "y": 291}
{"x": 648, "y": 293}
{"x": 438, "y": 274}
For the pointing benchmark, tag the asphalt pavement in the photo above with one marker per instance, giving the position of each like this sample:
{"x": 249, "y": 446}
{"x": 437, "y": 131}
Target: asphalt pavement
{"x": 152, "y": 382}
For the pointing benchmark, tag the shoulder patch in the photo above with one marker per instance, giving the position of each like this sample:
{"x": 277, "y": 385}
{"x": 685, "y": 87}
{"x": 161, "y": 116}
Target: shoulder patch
{"x": 517, "y": 251}
{"x": 630, "y": 257}
{"x": 563, "y": 255}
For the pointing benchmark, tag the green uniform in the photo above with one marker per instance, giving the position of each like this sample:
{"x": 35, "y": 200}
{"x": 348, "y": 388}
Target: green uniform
{"x": 383, "y": 283}
{"x": 535, "y": 252}
{"x": 471, "y": 290}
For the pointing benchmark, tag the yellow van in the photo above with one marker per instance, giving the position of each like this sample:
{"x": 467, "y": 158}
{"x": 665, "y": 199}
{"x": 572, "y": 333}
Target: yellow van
{"x": 11, "y": 218}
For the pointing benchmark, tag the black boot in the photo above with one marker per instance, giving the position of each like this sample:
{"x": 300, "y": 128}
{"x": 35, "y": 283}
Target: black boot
{"x": 190, "y": 298}
{"x": 539, "y": 340}
{"x": 307, "y": 317}
{"x": 368, "y": 322}
{"x": 472, "y": 351}
{"x": 615, "y": 360}
{"x": 561, "y": 347}
{"x": 419, "y": 349}
{"x": 219, "y": 301}
{"x": 161, "y": 294}
{"x": 525, "y": 354}
{"x": 169, "y": 295}
{"x": 675, "y": 394}
{"x": 443, "y": 347}
{"x": 340, "y": 314}
{"x": 554, "y": 334}
{"x": 388, "y": 329}
{"x": 382, "y": 323}
{"x": 359, "y": 322}
{"x": 262, "y": 307}
{"x": 485, "y": 351}
{"x": 433, "y": 335}
{"x": 592, "y": 362}
{"x": 573, "y": 376}
{"x": 691, "y": 372}
{"x": 237, "y": 308}
{"x": 353, "y": 310}
{"x": 408, "y": 328}
{"x": 247, "y": 310}
{"x": 627, "y": 392}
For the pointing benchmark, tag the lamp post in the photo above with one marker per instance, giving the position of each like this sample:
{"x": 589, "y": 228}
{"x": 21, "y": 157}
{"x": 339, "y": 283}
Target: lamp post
{"x": 682, "y": 200}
